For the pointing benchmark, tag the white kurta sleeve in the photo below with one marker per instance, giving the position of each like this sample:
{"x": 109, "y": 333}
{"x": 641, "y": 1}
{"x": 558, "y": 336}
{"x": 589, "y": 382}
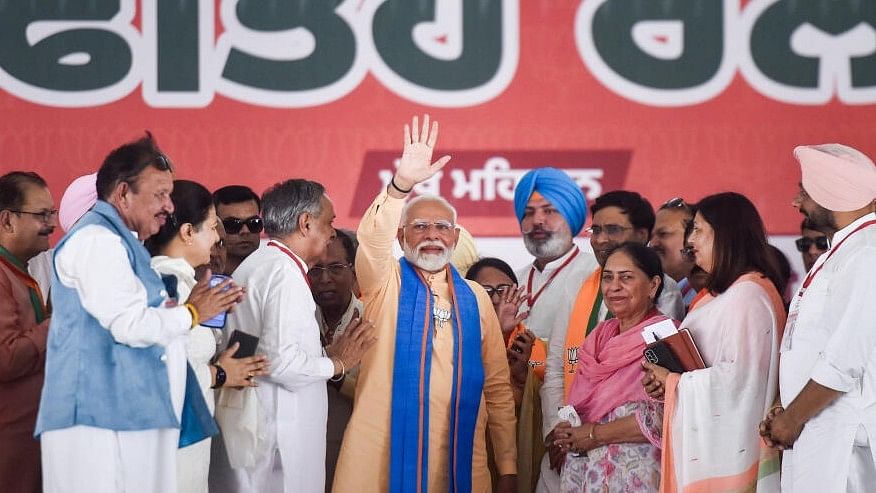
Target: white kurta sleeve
{"x": 853, "y": 341}
{"x": 290, "y": 335}
{"x": 552, "y": 390}
{"x": 671, "y": 302}
{"x": 95, "y": 263}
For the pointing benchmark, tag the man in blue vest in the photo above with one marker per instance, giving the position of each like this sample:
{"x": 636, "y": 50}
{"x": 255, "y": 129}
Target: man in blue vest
{"x": 109, "y": 417}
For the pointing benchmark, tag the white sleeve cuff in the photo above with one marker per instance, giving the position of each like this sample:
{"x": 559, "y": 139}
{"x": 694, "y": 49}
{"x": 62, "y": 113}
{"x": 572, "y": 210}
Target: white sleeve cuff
{"x": 832, "y": 377}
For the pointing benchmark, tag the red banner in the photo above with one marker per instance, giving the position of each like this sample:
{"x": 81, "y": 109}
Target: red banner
{"x": 672, "y": 98}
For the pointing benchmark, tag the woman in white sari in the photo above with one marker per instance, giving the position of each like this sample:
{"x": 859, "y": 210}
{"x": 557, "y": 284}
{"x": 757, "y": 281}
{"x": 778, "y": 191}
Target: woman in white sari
{"x": 711, "y": 416}
{"x": 184, "y": 242}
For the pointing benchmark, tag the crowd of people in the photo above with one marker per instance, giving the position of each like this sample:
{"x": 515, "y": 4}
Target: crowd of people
{"x": 441, "y": 370}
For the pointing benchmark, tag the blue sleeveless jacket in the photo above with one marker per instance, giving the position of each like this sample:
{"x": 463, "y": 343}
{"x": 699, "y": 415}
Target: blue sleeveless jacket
{"x": 90, "y": 378}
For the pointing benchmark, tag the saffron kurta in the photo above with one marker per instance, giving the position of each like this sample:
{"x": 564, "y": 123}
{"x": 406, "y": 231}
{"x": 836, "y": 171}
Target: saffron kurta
{"x": 363, "y": 465}
{"x": 22, "y": 360}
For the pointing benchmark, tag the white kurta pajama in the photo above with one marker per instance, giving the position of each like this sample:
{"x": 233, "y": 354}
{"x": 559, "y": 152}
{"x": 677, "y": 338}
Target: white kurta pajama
{"x": 831, "y": 339}
{"x": 130, "y": 461}
{"x": 279, "y": 308}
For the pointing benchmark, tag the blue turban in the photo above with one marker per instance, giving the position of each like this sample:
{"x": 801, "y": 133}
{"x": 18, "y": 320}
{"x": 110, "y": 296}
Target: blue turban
{"x": 557, "y": 187}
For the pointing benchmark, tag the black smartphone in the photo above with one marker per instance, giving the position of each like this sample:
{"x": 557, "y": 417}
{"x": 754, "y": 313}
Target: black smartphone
{"x": 248, "y": 344}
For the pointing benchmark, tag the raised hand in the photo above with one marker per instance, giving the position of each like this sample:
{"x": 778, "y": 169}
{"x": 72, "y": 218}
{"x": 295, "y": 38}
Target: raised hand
{"x": 508, "y": 310}
{"x": 416, "y": 164}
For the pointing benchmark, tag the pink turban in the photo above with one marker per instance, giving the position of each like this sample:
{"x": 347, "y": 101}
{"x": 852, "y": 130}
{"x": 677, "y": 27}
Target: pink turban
{"x": 837, "y": 177}
{"x": 79, "y": 197}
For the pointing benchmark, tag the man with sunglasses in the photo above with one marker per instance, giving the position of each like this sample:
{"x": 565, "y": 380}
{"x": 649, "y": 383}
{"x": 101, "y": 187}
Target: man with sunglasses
{"x": 27, "y": 218}
{"x": 332, "y": 281}
{"x": 437, "y": 380}
{"x": 238, "y": 208}
{"x": 811, "y": 244}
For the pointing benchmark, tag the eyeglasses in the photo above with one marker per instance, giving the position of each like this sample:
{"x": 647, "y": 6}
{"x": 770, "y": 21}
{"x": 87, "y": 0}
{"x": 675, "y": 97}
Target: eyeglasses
{"x": 233, "y": 225}
{"x": 443, "y": 227}
{"x": 804, "y": 243}
{"x": 44, "y": 216}
{"x": 501, "y": 289}
{"x": 333, "y": 270}
{"x": 612, "y": 230}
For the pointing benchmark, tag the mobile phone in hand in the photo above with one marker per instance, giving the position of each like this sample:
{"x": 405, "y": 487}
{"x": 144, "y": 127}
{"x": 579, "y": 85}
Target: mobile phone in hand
{"x": 217, "y": 322}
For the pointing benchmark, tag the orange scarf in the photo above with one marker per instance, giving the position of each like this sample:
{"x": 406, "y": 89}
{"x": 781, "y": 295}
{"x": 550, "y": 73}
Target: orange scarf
{"x": 582, "y": 320}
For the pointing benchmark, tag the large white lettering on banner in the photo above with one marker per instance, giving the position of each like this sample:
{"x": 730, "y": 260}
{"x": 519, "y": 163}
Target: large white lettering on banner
{"x": 447, "y": 53}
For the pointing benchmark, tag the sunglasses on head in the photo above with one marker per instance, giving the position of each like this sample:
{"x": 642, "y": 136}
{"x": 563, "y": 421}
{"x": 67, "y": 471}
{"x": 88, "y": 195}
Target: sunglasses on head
{"x": 233, "y": 225}
{"x": 804, "y": 243}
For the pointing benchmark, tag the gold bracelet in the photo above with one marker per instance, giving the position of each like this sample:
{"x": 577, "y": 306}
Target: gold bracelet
{"x": 592, "y": 434}
{"x": 196, "y": 319}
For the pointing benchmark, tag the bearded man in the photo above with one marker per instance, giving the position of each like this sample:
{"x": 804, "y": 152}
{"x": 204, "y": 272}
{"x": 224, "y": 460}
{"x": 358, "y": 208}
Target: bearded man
{"x": 437, "y": 377}
{"x": 551, "y": 210}
{"x": 826, "y": 422}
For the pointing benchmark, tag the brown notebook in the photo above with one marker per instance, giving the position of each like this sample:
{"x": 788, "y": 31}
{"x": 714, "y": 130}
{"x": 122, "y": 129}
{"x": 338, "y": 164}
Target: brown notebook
{"x": 677, "y": 353}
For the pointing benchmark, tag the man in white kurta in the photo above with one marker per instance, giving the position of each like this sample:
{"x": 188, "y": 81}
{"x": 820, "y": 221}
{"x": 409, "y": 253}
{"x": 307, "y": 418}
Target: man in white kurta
{"x": 101, "y": 429}
{"x": 828, "y": 355}
{"x": 279, "y": 309}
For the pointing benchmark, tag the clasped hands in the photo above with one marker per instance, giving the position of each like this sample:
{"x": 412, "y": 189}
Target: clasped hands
{"x": 779, "y": 429}
{"x": 654, "y": 380}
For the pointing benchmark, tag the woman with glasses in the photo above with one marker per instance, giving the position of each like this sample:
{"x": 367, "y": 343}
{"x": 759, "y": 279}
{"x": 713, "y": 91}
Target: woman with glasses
{"x": 500, "y": 283}
{"x": 183, "y": 243}
{"x": 710, "y": 436}
{"x": 617, "y": 445}
{"x": 526, "y": 357}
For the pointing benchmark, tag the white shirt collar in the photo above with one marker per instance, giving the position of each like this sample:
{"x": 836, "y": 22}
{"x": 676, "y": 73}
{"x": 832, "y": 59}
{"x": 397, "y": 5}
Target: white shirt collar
{"x": 841, "y": 234}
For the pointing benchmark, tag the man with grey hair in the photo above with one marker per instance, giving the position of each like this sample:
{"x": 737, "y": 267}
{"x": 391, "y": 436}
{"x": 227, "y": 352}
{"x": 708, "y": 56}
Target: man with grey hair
{"x": 289, "y": 454}
{"x": 438, "y": 378}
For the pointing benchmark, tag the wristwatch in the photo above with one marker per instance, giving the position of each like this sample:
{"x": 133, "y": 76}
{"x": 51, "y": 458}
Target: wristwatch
{"x": 220, "y": 377}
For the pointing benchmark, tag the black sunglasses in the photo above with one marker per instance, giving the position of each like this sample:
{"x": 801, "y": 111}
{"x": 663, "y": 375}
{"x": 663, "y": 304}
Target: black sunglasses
{"x": 804, "y": 243}
{"x": 233, "y": 225}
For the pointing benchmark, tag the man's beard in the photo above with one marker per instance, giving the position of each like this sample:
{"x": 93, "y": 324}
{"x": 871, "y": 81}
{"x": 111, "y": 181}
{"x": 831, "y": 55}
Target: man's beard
{"x": 822, "y": 220}
{"x": 427, "y": 262}
{"x": 553, "y": 246}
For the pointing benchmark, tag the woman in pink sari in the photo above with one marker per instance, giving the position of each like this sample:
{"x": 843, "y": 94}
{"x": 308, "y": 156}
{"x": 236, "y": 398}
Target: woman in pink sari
{"x": 617, "y": 446}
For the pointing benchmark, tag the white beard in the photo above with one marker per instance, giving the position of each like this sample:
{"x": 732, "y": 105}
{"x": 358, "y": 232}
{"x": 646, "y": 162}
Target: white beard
{"x": 553, "y": 247}
{"x": 427, "y": 262}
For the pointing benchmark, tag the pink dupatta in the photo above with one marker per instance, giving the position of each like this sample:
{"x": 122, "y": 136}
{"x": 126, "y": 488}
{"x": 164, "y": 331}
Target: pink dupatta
{"x": 609, "y": 368}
